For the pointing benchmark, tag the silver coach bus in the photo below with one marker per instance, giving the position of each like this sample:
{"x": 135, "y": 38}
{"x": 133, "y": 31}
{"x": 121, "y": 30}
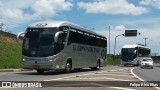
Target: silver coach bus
{"x": 61, "y": 45}
{"x": 133, "y": 54}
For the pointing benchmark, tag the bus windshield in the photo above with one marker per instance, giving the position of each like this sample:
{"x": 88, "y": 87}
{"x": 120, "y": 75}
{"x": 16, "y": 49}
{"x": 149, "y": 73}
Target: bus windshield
{"x": 39, "y": 42}
{"x": 144, "y": 52}
{"x": 128, "y": 53}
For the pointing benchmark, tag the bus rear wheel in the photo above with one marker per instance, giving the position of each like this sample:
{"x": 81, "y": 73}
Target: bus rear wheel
{"x": 40, "y": 71}
{"x": 97, "y": 67}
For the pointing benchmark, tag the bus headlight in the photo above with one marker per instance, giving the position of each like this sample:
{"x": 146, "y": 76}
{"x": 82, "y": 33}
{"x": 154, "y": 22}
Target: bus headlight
{"x": 50, "y": 60}
{"x": 23, "y": 60}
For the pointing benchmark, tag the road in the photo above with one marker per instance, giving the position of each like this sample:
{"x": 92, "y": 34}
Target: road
{"x": 115, "y": 77}
{"x": 34, "y": 76}
{"x": 148, "y": 74}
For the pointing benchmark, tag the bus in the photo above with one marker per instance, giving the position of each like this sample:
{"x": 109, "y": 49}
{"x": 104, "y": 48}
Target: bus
{"x": 133, "y": 54}
{"x": 61, "y": 45}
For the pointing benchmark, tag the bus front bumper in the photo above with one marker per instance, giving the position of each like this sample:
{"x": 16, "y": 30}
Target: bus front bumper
{"x": 129, "y": 62}
{"x": 35, "y": 63}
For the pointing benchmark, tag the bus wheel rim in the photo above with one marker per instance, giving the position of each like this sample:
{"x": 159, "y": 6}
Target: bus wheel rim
{"x": 68, "y": 66}
{"x": 98, "y": 65}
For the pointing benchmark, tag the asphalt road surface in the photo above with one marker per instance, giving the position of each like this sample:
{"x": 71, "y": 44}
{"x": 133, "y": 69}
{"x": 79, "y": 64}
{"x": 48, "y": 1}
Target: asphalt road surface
{"x": 34, "y": 76}
{"x": 148, "y": 74}
{"x": 108, "y": 78}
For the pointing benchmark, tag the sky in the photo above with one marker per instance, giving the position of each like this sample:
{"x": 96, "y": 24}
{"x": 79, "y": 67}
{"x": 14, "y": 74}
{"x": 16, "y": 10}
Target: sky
{"x": 95, "y": 15}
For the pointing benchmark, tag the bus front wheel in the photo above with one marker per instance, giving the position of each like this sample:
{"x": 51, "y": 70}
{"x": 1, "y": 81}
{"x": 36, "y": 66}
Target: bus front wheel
{"x": 68, "y": 67}
{"x": 138, "y": 63}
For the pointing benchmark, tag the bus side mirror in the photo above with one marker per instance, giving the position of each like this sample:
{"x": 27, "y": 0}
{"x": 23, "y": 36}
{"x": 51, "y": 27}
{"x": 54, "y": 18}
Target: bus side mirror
{"x": 19, "y": 34}
{"x": 57, "y": 35}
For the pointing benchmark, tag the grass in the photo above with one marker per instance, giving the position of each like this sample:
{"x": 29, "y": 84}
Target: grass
{"x": 10, "y": 52}
{"x": 110, "y": 61}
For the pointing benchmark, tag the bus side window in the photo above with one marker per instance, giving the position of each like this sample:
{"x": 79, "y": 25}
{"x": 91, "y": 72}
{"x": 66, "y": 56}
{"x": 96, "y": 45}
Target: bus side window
{"x": 61, "y": 41}
{"x": 140, "y": 55}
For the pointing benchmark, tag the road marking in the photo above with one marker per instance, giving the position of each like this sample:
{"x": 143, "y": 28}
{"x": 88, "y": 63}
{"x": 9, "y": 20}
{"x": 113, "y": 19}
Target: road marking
{"x": 115, "y": 75}
{"x": 140, "y": 78}
{"x": 119, "y": 69}
{"x": 121, "y": 88}
{"x": 136, "y": 75}
{"x": 113, "y": 70}
{"x": 69, "y": 77}
{"x": 85, "y": 74}
{"x": 97, "y": 78}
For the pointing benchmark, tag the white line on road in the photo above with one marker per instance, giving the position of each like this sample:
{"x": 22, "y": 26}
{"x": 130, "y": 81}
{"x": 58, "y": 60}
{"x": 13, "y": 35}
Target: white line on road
{"x": 83, "y": 75}
{"x": 116, "y": 75}
{"x": 136, "y": 75}
{"x": 69, "y": 77}
{"x": 141, "y": 78}
{"x": 121, "y": 88}
{"x": 94, "y": 73}
{"x": 97, "y": 78}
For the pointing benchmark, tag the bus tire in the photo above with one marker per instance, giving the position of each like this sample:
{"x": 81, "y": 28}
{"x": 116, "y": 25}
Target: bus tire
{"x": 125, "y": 65}
{"x": 39, "y": 71}
{"x": 137, "y": 63}
{"x": 68, "y": 67}
{"x": 97, "y": 66}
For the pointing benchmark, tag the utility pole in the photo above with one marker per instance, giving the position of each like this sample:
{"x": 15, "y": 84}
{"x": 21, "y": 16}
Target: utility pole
{"x": 145, "y": 39}
{"x": 109, "y": 39}
{"x": 115, "y": 43}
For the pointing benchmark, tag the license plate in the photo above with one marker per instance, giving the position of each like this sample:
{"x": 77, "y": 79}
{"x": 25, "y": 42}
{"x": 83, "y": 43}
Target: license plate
{"x": 35, "y": 66}
{"x": 146, "y": 64}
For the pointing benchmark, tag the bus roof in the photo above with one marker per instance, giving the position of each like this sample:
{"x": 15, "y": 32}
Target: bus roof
{"x": 133, "y": 46}
{"x": 50, "y": 24}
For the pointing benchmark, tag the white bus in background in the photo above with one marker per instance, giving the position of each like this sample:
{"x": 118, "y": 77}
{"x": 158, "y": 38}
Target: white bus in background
{"x": 61, "y": 45}
{"x": 133, "y": 54}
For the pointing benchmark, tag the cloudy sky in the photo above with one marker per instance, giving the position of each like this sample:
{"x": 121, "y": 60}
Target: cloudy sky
{"x": 96, "y": 15}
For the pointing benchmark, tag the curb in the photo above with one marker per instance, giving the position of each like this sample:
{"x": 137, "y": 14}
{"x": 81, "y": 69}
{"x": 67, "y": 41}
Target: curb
{"x": 15, "y": 70}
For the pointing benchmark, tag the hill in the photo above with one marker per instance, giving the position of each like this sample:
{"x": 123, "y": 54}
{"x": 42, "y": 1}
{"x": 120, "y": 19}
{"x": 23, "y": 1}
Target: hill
{"x": 10, "y": 51}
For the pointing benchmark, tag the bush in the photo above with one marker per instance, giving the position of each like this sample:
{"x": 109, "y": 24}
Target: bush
{"x": 111, "y": 61}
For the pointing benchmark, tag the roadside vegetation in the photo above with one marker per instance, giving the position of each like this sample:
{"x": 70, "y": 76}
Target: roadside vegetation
{"x": 10, "y": 52}
{"x": 111, "y": 61}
